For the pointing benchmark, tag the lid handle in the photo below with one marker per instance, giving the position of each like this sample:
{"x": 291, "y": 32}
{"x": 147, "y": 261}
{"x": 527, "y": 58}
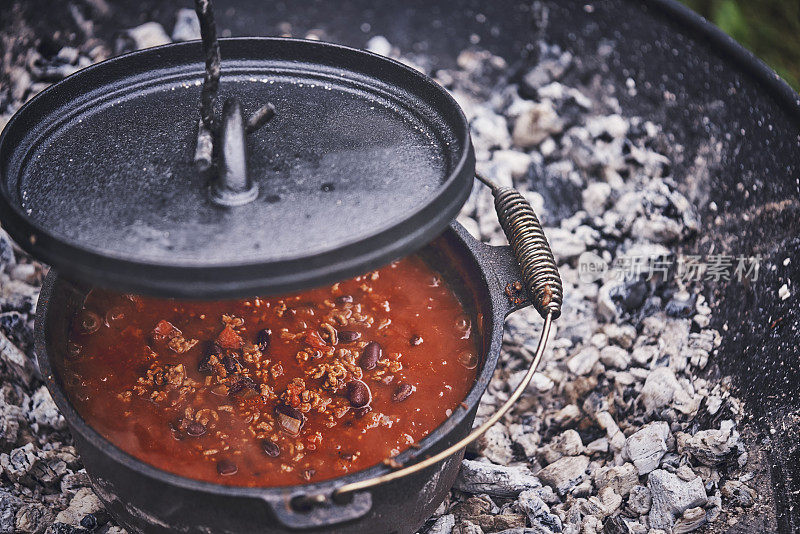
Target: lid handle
{"x": 233, "y": 186}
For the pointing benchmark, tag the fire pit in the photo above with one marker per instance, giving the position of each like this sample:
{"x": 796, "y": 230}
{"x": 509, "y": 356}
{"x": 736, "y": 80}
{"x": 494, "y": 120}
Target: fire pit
{"x": 620, "y": 345}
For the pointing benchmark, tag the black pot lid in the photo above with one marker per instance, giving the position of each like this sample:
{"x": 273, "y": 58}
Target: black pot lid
{"x": 365, "y": 161}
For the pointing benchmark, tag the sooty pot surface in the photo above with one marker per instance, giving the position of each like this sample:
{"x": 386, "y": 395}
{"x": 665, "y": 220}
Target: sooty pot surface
{"x": 145, "y": 499}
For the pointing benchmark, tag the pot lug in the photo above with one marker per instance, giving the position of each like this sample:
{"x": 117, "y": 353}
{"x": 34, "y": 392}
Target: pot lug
{"x": 301, "y": 512}
{"x": 504, "y": 277}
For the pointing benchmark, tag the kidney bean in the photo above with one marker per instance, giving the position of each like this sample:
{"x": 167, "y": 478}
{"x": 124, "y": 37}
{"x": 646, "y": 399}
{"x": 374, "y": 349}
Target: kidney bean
{"x": 231, "y": 363}
{"x": 212, "y": 350}
{"x": 196, "y": 429}
{"x": 348, "y": 336}
{"x": 227, "y": 468}
{"x": 88, "y": 322}
{"x": 344, "y": 299}
{"x": 359, "y": 394}
{"x": 263, "y": 339}
{"x": 370, "y": 356}
{"x": 271, "y": 448}
{"x": 402, "y": 392}
{"x": 415, "y": 341}
{"x": 240, "y": 385}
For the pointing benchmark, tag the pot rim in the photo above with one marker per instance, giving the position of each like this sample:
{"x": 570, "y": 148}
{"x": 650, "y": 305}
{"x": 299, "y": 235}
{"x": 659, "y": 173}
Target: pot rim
{"x": 76, "y": 423}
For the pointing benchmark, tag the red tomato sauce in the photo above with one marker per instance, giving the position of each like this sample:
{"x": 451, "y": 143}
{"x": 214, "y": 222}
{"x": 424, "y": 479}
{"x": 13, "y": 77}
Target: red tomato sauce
{"x": 274, "y": 391}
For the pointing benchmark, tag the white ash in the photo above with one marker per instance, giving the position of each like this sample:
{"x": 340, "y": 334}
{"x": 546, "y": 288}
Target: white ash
{"x": 606, "y": 439}
{"x": 609, "y": 423}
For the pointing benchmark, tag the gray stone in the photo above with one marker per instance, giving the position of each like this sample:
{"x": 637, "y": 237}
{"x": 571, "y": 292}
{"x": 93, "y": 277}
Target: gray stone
{"x": 692, "y": 519}
{"x": 20, "y": 82}
{"x": 16, "y": 360}
{"x": 443, "y": 525}
{"x": 613, "y": 125}
{"x": 83, "y": 502}
{"x": 615, "y": 357}
{"x": 623, "y": 335}
{"x": 662, "y": 388}
{"x": 738, "y": 492}
{"x": 646, "y": 447}
{"x": 710, "y": 447}
{"x": 187, "y": 27}
{"x": 671, "y": 497}
{"x": 10, "y": 419}
{"x": 600, "y": 445}
{"x": 639, "y": 500}
{"x": 644, "y": 354}
{"x": 68, "y": 54}
{"x": 467, "y": 527}
{"x": 538, "y": 512}
{"x": 9, "y": 504}
{"x": 379, "y": 45}
{"x": 148, "y": 35}
{"x": 568, "y": 443}
{"x": 19, "y": 461}
{"x": 7, "y": 256}
{"x": 44, "y": 412}
{"x": 490, "y": 130}
{"x": 595, "y": 197}
{"x": 548, "y": 69}
{"x": 615, "y": 436}
{"x": 515, "y": 161}
{"x": 33, "y": 518}
{"x": 72, "y": 482}
{"x": 496, "y": 446}
{"x": 535, "y": 124}
{"x": 25, "y": 272}
{"x": 565, "y": 473}
{"x": 566, "y": 415}
{"x": 583, "y": 361}
{"x": 620, "y": 478}
{"x": 495, "y": 480}
{"x": 566, "y": 245}
{"x": 609, "y": 500}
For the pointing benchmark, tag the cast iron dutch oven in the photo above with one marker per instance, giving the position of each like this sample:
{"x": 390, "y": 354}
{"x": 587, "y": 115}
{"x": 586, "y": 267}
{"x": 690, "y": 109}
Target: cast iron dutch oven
{"x": 365, "y": 160}
{"x": 145, "y": 499}
{"x": 748, "y": 200}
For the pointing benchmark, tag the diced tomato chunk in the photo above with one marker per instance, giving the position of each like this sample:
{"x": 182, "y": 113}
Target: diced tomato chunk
{"x": 228, "y": 339}
{"x": 164, "y": 331}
